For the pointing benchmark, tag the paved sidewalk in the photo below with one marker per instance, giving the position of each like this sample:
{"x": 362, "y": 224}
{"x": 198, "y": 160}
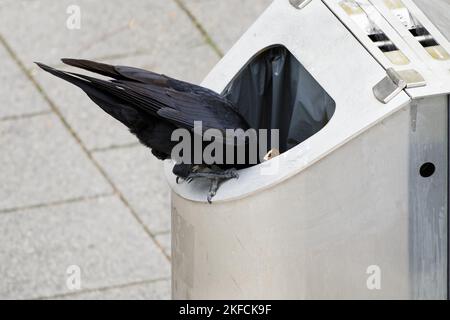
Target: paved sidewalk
{"x": 76, "y": 189}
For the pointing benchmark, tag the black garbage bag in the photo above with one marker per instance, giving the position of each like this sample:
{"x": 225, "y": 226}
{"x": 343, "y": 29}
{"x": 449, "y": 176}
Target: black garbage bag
{"x": 274, "y": 91}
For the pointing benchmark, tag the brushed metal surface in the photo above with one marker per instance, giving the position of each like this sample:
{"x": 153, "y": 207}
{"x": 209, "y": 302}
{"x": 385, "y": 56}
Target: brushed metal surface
{"x": 429, "y": 198}
{"x": 316, "y": 234}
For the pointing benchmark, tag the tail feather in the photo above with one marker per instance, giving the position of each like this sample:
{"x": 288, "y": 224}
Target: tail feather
{"x": 110, "y": 103}
{"x": 96, "y": 67}
{"x": 118, "y": 72}
{"x": 128, "y": 92}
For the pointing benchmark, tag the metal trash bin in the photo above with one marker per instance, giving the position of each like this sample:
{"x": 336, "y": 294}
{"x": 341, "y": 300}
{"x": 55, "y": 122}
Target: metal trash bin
{"x": 362, "y": 192}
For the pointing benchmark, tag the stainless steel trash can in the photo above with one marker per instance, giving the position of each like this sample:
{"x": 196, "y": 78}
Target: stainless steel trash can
{"x": 357, "y": 207}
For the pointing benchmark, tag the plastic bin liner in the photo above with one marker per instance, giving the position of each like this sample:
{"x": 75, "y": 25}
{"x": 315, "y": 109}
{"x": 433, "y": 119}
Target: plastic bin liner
{"x": 274, "y": 91}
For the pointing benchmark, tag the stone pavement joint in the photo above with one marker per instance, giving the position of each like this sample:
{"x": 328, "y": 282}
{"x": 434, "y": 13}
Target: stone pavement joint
{"x": 26, "y": 116}
{"x": 56, "y": 203}
{"x": 120, "y": 286}
{"x": 208, "y": 39}
{"x": 114, "y": 147}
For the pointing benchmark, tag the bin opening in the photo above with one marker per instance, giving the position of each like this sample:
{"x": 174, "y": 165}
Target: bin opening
{"x": 274, "y": 91}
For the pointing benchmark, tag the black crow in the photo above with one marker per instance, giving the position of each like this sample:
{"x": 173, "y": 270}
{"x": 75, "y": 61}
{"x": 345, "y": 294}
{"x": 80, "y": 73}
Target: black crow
{"x": 152, "y": 106}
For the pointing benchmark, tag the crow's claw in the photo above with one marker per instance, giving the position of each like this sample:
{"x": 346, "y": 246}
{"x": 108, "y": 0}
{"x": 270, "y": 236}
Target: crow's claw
{"x": 213, "y": 189}
{"x": 216, "y": 177}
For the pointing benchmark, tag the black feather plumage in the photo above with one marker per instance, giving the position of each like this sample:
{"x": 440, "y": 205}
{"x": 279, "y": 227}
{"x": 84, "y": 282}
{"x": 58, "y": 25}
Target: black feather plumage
{"x": 151, "y": 105}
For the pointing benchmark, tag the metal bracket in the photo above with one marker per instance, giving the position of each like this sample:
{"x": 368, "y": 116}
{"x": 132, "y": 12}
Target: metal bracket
{"x": 395, "y": 82}
{"x": 299, "y": 4}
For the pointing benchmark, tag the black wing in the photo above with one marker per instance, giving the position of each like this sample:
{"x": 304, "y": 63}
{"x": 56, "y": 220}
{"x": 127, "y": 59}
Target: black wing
{"x": 178, "y": 102}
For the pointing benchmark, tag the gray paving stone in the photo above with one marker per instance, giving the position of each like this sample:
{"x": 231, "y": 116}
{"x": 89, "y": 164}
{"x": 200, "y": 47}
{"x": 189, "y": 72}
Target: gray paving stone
{"x": 18, "y": 96}
{"x": 226, "y": 21}
{"x": 110, "y": 29}
{"x": 165, "y": 240}
{"x": 41, "y": 162}
{"x": 100, "y": 236}
{"x": 140, "y": 178}
{"x": 158, "y": 290}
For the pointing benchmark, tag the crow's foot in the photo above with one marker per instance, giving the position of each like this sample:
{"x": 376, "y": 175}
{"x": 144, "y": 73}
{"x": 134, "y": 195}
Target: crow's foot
{"x": 215, "y": 175}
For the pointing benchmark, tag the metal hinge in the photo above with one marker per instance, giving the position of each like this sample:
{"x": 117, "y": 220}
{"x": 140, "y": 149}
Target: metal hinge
{"x": 299, "y": 4}
{"x": 395, "y": 82}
